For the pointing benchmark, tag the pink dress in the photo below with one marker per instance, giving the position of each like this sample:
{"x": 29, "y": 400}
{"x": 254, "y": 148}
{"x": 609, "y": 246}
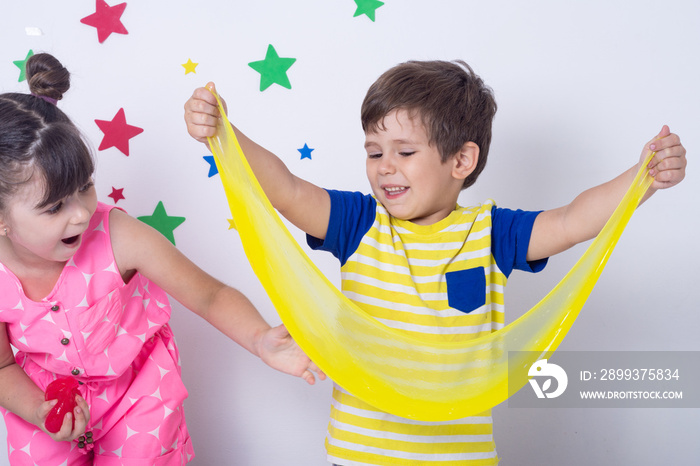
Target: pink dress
{"x": 115, "y": 339}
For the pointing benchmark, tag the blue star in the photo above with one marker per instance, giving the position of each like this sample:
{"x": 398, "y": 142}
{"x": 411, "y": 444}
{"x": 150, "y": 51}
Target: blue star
{"x": 305, "y": 152}
{"x": 212, "y": 165}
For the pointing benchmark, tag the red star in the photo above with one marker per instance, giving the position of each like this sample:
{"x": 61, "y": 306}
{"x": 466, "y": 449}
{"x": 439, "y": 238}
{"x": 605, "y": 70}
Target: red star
{"x": 117, "y": 132}
{"x": 106, "y": 19}
{"x": 117, "y": 194}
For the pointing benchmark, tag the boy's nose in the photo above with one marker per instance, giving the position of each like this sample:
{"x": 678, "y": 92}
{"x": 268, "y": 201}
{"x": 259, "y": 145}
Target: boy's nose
{"x": 386, "y": 166}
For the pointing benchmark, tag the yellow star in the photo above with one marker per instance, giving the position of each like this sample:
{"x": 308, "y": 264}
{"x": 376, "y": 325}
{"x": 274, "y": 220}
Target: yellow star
{"x": 190, "y": 66}
{"x": 231, "y": 224}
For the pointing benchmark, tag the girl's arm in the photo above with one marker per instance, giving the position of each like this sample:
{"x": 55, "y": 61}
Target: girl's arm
{"x": 138, "y": 247}
{"x": 20, "y": 395}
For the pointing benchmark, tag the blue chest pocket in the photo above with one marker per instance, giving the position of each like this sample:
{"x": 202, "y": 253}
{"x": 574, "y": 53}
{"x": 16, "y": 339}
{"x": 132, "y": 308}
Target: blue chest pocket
{"x": 466, "y": 289}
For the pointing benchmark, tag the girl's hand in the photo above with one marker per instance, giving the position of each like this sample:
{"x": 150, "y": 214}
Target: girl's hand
{"x": 668, "y": 165}
{"x": 278, "y": 350}
{"x": 69, "y": 431}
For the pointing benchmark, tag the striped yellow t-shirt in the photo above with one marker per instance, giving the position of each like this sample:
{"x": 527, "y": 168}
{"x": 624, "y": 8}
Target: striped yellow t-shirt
{"x": 439, "y": 282}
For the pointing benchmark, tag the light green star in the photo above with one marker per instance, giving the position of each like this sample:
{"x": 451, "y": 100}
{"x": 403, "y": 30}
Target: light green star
{"x": 273, "y": 69}
{"x": 163, "y": 222}
{"x": 22, "y": 65}
{"x": 367, "y": 7}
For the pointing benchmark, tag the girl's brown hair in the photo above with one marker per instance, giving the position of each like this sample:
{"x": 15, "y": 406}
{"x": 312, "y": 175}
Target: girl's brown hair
{"x": 36, "y": 137}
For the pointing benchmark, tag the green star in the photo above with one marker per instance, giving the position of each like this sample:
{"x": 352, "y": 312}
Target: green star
{"x": 22, "y": 65}
{"x": 367, "y": 7}
{"x": 273, "y": 69}
{"x": 162, "y": 222}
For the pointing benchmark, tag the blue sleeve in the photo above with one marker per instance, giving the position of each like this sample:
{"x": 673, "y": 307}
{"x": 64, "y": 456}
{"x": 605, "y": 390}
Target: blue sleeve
{"x": 510, "y": 239}
{"x": 352, "y": 215}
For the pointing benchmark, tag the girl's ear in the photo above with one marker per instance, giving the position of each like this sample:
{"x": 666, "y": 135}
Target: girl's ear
{"x": 465, "y": 160}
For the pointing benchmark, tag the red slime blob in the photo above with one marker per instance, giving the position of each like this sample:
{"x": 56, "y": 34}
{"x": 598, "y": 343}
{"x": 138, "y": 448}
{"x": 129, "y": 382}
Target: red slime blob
{"x": 64, "y": 390}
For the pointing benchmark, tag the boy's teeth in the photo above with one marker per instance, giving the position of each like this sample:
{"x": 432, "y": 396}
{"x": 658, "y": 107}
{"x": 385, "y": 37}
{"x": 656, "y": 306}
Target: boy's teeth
{"x": 395, "y": 189}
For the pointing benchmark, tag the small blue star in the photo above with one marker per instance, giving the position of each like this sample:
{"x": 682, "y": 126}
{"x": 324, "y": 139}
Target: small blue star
{"x": 212, "y": 165}
{"x": 305, "y": 152}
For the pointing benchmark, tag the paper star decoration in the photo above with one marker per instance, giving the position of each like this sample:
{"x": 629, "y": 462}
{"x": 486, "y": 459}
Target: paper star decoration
{"x": 190, "y": 66}
{"x": 163, "y": 222}
{"x": 117, "y": 194}
{"x": 22, "y": 65}
{"x": 106, "y": 19}
{"x": 212, "y": 165}
{"x": 305, "y": 152}
{"x": 232, "y": 224}
{"x": 273, "y": 69}
{"x": 117, "y": 132}
{"x": 367, "y": 7}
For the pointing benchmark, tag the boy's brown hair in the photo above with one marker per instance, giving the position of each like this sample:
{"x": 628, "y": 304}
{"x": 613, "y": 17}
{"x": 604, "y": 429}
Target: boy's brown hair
{"x": 452, "y": 101}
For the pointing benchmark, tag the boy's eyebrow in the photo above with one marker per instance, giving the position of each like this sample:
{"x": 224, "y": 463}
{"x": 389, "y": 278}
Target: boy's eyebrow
{"x": 395, "y": 141}
{"x": 404, "y": 141}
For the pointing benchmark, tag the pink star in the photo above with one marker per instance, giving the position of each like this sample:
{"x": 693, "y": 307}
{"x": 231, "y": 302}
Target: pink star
{"x": 117, "y": 194}
{"x": 106, "y": 19}
{"x": 117, "y": 132}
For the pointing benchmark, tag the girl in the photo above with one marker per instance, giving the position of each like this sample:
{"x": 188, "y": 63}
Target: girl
{"x": 83, "y": 293}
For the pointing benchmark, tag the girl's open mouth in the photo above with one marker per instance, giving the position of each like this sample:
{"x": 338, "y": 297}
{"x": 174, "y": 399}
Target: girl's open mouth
{"x": 71, "y": 240}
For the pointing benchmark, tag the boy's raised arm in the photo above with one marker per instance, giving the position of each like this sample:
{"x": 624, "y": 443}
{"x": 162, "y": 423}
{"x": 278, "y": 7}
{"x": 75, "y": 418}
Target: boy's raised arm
{"x": 304, "y": 204}
{"x": 559, "y": 229}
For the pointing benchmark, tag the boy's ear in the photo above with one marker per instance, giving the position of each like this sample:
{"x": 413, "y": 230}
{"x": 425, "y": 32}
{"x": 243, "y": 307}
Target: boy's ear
{"x": 465, "y": 160}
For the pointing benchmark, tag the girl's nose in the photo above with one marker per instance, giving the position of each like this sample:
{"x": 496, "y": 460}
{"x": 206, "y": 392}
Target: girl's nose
{"x": 81, "y": 212}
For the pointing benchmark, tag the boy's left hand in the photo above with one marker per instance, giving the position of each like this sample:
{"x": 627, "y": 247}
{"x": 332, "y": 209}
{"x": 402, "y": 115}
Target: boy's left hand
{"x": 278, "y": 350}
{"x": 667, "y": 167}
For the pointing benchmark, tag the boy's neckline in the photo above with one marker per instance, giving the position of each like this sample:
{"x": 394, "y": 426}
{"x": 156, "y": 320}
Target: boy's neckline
{"x": 428, "y": 229}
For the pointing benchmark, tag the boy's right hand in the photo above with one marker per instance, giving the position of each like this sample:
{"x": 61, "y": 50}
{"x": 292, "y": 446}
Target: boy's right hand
{"x": 304, "y": 204}
{"x": 202, "y": 113}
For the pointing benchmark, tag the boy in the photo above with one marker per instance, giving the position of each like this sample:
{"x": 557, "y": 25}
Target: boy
{"x": 428, "y": 131}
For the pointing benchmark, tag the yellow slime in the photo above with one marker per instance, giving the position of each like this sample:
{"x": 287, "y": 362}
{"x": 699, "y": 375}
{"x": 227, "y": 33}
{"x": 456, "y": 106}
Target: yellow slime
{"x": 386, "y": 368}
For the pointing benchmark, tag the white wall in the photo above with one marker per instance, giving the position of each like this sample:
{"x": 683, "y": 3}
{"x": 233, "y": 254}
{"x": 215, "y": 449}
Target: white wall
{"x": 581, "y": 87}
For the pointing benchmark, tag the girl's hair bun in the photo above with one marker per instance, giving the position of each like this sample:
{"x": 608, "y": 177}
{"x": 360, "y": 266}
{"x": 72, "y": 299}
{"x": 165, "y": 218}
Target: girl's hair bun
{"x": 46, "y": 76}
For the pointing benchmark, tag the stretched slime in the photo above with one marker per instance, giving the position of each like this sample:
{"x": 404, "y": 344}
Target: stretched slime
{"x": 387, "y": 368}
